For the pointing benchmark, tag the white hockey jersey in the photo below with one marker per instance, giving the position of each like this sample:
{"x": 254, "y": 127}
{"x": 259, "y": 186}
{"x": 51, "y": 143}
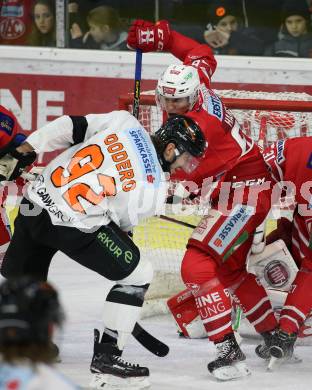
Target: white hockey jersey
{"x": 114, "y": 174}
{"x": 27, "y": 377}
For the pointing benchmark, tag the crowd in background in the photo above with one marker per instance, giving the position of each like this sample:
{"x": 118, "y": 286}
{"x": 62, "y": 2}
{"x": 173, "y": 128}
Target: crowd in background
{"x": 234, "y": 27}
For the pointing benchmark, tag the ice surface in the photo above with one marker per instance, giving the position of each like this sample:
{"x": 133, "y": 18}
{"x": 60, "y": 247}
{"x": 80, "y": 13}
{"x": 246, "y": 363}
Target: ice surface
{"x": 185, "y": 368}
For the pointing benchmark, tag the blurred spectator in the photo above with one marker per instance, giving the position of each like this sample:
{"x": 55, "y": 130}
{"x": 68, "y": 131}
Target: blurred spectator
{"x": 77, "y": 22}
{"x": 263, "y": 16}
{"x": 29, "y": 312}
{"x": 226, "y": 33}
{"x": 43, "y": 27}
{"x": 296, "y": 37}
{"x": 15, "y": 21}
{"x": 106, "y": 31}
{"x": 189, "y": 17}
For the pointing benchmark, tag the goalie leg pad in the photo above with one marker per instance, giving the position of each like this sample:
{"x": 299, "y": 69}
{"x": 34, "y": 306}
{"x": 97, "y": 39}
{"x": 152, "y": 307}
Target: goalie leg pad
{"x": 275, "y": 266}
{"x": 185, "y": 313}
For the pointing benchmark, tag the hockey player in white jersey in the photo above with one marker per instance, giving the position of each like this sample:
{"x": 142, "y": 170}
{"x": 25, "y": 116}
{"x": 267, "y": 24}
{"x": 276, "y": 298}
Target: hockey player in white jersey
{"x": 86, "y": 200}
{"x": 29, "y": 311}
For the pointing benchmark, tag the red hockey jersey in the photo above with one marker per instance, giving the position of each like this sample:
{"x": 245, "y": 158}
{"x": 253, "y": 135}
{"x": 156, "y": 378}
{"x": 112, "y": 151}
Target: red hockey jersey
{"x": 290, "y": 162}
{"x": 230, "y": 155}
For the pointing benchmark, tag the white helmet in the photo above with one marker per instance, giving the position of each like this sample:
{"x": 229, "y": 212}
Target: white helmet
{"x": 178, "y": 81}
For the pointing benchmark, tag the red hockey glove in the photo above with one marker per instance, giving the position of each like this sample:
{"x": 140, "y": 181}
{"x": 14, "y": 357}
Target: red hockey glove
{"x": 148, "y": 36}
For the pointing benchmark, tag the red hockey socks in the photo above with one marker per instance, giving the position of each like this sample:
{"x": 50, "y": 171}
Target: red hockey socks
{"x": 255, "y": 303}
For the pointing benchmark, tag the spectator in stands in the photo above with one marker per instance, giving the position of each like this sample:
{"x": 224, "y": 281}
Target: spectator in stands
{"x": 77, "y": 11}
{"x": 106, "y": 31}
{"x": 15, "y": 21}
{"x": 29, "y": 311}
{"x": 43, "y": 28}
{"x": 262, "y": 16}
{"x": 296, "y": 36}
{"x": 225, "y": 31}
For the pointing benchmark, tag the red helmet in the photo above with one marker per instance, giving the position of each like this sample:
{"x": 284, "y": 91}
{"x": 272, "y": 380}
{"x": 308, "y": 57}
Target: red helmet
{"x": 8, "y": 129}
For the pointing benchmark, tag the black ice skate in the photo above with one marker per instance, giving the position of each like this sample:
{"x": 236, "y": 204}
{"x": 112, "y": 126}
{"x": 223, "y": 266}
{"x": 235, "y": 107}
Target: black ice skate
{"x": 263, "y": 349}
{"x": 282, "y": 348}
{"x": 229, "y": 363}
{"x": 110, "y": 371}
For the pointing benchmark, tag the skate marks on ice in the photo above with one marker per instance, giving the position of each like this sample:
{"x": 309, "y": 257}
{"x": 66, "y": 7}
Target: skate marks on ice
{"x": 184, "y": 368}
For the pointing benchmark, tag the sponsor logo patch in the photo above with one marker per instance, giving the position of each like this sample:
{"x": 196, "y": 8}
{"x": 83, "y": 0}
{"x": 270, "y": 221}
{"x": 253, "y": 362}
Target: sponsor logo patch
{"x": 230, "y": 228}
{"x": 276, "y": 273}
{"x": 147, "y": 159}
{"x": 6, "y": 123}
{"x": 169, "y": 90}
{"x": 280, "y": 151}
{"x": 215, "y": 107}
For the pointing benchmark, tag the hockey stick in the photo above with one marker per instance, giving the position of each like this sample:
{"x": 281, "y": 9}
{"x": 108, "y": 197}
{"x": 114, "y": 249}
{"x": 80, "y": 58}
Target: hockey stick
{"x": 149, "y": 342}
{"x": 135, "y": 112}
{"x": 137, "y": 83}
{"x": 186, "y": 224}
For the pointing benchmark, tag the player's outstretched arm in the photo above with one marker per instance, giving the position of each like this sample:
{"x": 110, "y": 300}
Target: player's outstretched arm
{"x": 150, "y": 37}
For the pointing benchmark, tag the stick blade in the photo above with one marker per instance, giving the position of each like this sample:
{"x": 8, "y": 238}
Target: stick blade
{"x": 150, "y": 342}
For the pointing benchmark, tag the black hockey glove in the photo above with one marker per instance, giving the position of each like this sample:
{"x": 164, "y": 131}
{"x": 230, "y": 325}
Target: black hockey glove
{"x": 13, "y": 164}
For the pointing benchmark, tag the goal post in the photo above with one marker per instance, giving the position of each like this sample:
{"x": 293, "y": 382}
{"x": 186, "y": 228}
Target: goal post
{"x": 268, "y": 115}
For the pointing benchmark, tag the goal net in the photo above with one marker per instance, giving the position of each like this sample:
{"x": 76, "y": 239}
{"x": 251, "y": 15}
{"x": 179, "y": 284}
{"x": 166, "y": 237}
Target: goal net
{"x": 265, "y": 115}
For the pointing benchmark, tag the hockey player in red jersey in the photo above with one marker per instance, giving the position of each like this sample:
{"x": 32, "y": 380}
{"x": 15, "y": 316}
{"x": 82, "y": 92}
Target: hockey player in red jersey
{"x": 217, "y": 250}
{"x": 9, "y": 140}
{"x": 290, "y": 162}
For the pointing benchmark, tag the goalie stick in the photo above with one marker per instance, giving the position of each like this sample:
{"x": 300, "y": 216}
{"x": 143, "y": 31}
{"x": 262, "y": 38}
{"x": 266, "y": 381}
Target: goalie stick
{"x": 149, "y": 342}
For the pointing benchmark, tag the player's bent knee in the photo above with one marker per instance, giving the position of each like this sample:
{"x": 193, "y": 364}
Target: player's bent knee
{"x": 142, "y": 274}
{"x": 197, "y": 267}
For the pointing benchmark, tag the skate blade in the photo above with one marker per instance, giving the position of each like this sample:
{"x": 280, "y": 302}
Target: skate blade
{"x": 111, "y": 382}
{"x": 235, "y": 371}
{"x": 274, "y": 362}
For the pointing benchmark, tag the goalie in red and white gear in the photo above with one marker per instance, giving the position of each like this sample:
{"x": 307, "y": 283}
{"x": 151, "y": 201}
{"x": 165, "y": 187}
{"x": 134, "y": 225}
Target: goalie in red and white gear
{"x": 215, "y": 259}
{"x": 290, "y": 162}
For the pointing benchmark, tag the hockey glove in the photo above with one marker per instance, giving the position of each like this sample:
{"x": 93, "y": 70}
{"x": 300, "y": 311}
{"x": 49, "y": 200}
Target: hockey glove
{"x": 148, "y": 36}
{"x": 13, "y": 164}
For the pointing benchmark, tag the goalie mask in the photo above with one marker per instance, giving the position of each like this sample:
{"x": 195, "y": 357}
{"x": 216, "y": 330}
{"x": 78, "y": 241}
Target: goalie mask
{"x": 178, "y": 81}
{"x": 187, "y": 137}
{"x": 28, "y": 311}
